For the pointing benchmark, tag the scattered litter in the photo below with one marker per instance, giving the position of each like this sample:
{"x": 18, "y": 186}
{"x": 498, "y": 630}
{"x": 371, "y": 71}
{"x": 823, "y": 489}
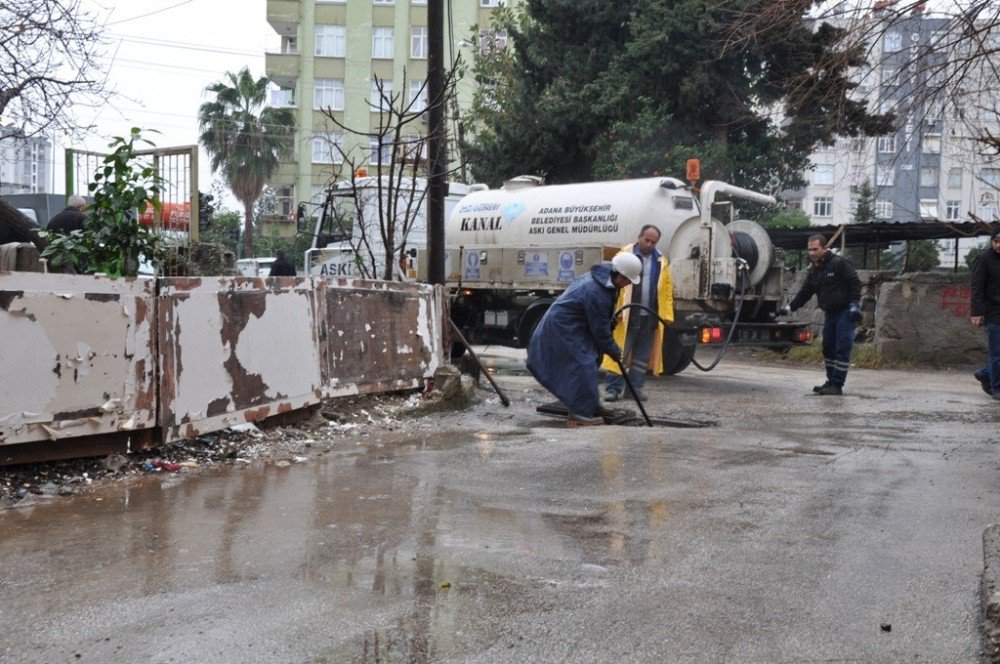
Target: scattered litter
{"x": 282, "y": 464}
{"x": 334, "y": 423}
{"x": 248, "y": 427}
{"x": 446, "y": 584}
{"x": 886, "y": 627}
{"x": 114, "y": 462}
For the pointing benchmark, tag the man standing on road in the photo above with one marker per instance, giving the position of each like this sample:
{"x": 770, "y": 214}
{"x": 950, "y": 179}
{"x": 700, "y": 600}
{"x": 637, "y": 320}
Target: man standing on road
{"x": 70, "y": 219}
{"x": 638, "y": 332}
{"x": 985, "y": 311}
{"x": 281, "y": 267}
{"x": 835, "y": 283}
{"x": 575, "y": 332}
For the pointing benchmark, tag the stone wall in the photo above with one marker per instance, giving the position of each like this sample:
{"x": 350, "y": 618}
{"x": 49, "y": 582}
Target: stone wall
{"x": 921, "y": 316}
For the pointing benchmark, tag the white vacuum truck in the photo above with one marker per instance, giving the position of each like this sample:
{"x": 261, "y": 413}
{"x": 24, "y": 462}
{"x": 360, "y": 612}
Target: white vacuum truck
{"x": 511, "y": 251}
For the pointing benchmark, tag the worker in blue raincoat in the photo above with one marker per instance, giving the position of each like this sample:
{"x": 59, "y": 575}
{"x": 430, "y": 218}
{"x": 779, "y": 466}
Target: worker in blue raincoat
{"x": 565, "y": 350}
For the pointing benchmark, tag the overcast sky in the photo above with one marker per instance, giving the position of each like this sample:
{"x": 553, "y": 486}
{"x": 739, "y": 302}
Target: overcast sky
{"x": 161, "y": 55}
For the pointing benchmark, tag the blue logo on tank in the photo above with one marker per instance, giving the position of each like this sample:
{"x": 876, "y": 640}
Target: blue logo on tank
{"x": 511, "y": 210}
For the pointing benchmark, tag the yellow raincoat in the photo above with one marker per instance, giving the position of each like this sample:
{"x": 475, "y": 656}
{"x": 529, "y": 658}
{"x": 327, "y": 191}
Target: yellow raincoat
{"x": 665, "y": 305}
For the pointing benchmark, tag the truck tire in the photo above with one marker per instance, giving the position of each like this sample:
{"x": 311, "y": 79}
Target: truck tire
{"x": 676, "y": 355}
{"x": 529, "y": 321}
{"x": 683, "y": 361}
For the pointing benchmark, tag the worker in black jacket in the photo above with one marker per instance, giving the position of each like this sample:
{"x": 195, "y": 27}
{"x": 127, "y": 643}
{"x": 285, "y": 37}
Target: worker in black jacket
{"x": 835, "y": 283}
{"x": 281, "y": 267}
{"x": 985, "y": 311}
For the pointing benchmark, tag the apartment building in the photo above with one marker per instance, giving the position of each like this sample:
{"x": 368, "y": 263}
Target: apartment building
{"x": 25, "y": 163}
{"x": 931, "y": 167}
{"x": 329, "y": 55}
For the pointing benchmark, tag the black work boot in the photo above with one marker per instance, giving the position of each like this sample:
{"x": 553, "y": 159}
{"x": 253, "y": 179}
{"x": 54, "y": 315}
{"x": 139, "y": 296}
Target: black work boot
{"x": 830, "y": 389}
{"x": 817, "y": 388}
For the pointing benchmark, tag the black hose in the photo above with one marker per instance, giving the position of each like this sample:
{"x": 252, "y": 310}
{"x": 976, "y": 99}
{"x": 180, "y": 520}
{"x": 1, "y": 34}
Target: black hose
{"x": 729, "y": 337}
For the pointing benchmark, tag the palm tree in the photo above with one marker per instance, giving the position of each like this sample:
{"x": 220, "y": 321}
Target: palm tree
{"x": 244, "y": 145}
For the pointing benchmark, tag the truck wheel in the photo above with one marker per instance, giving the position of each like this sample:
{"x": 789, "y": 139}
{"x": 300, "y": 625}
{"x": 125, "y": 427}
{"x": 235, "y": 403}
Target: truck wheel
{"x": 676, "y": 356}
{"x": 532, "y": 317}
{"x": 686, "y": 356}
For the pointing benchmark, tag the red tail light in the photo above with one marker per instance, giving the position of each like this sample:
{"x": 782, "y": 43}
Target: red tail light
{"x": 710, "y": 335}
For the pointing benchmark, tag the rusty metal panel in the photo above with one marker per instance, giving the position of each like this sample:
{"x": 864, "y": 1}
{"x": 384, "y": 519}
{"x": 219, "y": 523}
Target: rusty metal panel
{"x": 78, "y": 356}
{"x": 235, "y": 350}
{"x": 378, "y": 335}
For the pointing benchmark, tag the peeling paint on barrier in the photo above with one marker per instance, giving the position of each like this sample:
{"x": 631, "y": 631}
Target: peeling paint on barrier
{"x": 90, "y": 355}
{"x": 76, "y": 357}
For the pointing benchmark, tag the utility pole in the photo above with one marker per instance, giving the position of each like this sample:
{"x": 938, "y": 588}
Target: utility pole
{"x": 437, "y": 156}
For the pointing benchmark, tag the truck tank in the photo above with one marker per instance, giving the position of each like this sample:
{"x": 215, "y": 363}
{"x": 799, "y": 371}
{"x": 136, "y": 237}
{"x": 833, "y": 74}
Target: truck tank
{"x": 523, "y": 214}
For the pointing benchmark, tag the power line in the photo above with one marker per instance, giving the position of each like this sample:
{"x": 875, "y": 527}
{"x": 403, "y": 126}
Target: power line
{"x": 158, "y": 11}
{"x": 184, "y": 45}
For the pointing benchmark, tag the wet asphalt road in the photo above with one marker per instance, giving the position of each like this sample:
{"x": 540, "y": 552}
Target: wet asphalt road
{"x": 789, "y": 532}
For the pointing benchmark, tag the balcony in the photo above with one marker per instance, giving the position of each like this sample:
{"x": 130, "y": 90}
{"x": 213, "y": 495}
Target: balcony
{"x": 283, "y": 15}
{"x": 282, "y": 68}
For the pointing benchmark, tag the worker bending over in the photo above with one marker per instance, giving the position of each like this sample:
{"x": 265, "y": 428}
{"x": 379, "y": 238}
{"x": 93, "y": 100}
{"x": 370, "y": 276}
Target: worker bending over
{"x": 566, "y": 348}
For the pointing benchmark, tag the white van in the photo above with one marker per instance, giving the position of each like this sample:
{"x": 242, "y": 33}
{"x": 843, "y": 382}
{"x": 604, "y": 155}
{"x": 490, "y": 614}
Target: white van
{"x": 255, "y": 267}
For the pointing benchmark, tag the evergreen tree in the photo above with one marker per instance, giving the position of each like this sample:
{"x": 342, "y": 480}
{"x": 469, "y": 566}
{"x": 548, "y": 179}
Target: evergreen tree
{"x": 626, "y": 88}
{"x": 865, "y": 212}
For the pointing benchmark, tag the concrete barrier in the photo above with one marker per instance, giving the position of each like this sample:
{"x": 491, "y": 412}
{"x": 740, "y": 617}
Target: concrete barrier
{"x": 919, "y": 317}
{"x": 173, "y": 358}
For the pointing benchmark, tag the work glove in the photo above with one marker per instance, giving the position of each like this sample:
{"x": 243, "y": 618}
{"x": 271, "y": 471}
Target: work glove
{"x": 855, "y": 312}
{"x": 784, "y": 310}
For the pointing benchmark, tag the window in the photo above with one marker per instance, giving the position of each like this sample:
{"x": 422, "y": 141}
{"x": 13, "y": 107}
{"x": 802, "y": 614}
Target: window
{"x": 418, "y": 43}
{"x": 490, "y": 3}
{"x": 325, "y": 148}
{"x": 822, "y": 206}
{"x": 887, "y": 144}
{"x": 888, "y": 76}
{"x": 951, "y": 211}
{"x": 418, "y": 2}
{"x": 928, "y": 208}
{"x": 381, "y": 101}
{"x": 331, "y": 40}
{"x": 859, "y": 145}
{"x": 929, "y": 176}
{"x": 824, "y": 174}
{"x": 991, "y": 177}
{"x": 418, "y": 96}
{"x": 492, "y": 40}
{"x": 884, "y": 176}
{"x": 382, "y": 43}
{"x": 892, "y": 42}
{"x": 381, "y": 152}
{"x": 955, "y": 178}
{"x": 883, "y": 209}
{"x": 413, "y": 148}
{"x": 931, "y": 143}
{"x": 989, "y": 211}
{"x": 329, "y": 93}
{"x": 283, "y": 200}
{"x": 282, "y": 98}
{"x": 383, "y": 2}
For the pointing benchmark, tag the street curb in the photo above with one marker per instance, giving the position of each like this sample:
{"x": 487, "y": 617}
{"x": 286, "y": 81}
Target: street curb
{"x": 991, "y": 591}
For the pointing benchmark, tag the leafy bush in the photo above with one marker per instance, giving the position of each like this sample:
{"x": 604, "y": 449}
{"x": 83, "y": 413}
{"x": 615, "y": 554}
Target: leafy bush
{"x": 113, "y": 241}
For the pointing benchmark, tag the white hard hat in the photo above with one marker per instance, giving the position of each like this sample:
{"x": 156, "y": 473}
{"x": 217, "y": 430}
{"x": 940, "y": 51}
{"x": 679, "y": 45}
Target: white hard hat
{"x": 628, "y": 265}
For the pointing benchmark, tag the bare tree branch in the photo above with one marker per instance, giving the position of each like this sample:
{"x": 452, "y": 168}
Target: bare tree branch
{"x": 49, "y": 55}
